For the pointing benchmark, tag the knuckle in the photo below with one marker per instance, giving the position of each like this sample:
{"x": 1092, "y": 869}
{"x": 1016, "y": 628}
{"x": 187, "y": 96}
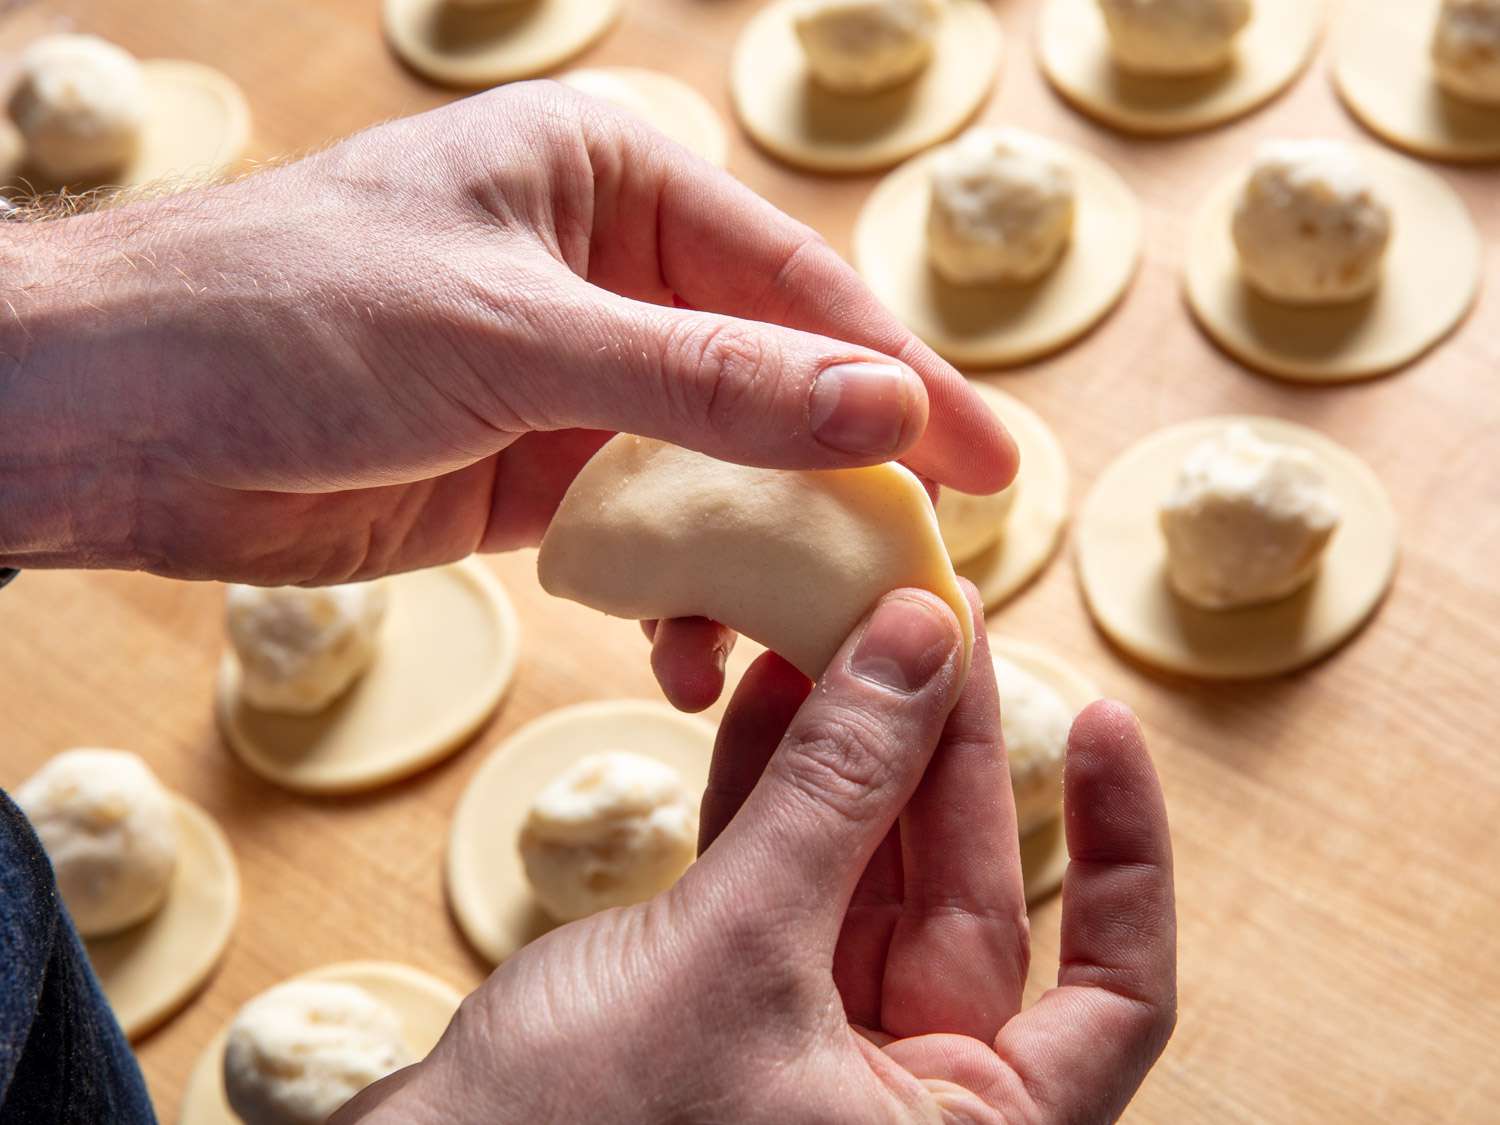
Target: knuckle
{"x": 724, "y": 367}
{"x": 842, "y": 762}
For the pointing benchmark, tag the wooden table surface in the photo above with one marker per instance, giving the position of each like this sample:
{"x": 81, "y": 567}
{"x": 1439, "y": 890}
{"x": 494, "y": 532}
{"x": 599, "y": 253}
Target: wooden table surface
{"x": 1336, "y": 831}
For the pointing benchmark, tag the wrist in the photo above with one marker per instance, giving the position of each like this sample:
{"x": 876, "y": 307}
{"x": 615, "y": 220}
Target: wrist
{"x": 69, "y": 469}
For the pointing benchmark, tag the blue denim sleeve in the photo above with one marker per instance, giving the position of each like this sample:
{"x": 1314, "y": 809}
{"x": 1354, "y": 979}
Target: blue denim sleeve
{"x": 63, "y": 1058}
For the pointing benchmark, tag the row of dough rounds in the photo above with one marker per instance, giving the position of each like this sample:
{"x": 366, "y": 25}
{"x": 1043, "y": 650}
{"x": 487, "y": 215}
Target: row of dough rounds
{"x": 855, "y": 85}
{"x": 1321, "y": 262}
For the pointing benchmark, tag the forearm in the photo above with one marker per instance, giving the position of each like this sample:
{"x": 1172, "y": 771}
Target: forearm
{"x": 72, "y": 439}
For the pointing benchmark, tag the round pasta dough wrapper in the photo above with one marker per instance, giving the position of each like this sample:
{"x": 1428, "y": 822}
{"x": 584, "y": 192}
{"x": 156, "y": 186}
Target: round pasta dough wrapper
{"x": 1383, "y": 70}
{"x": 474, "y": 45}
{"x": 986, "y": 326}
{"x": 152, "y": 969}
{"x": 448, "y": 652}
{"x": 792, "y": 117}
{"x": 1044, "y": 850}
{"x": 424, "y": 1004}
{"x": 1028, "y": 539}
{"x": 487, "y": 887}
{"x": 1272, "y": 50}
{"x": 664, "y": 102}
{"x": 1430, "y": 279}
{"x": 197, "y": 125}
{"x": 1122, "y": 563}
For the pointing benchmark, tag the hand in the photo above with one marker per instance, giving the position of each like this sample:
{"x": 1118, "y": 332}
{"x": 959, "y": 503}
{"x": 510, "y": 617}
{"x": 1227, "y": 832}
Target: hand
{"x": 402, "y": 349}
{"x": 852, "y": 944}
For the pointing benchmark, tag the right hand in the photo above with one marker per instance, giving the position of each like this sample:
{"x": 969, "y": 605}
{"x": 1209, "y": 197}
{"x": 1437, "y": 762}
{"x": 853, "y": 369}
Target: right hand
{"x": 852, "y": 945}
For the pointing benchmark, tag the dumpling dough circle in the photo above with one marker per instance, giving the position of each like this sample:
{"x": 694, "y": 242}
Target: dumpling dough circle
{"x": 448, "y": 651}
{"x": 987, "y": 326}
{"x": 301, "y": 1049}
{"x": 1044, "y": 849}
{"x": 487, "y": 886}
{"x": 1274, "y": 47}
{"x": 1121, "y": 557}
{"x": 197, "y": 125}
{"x": 152, "y": 969}
{"x": 792, "y": 559}
{"x": 1429, "y": 282}
{"x": 800, "y": 122}
{"x": 1383, "y": 70}
{"x": 110, "y": 831}
{"x": 664, "y": 102}
{"x": 424, "y": 1003}
{"x": 473, "y": 45}
{"x": 1033, "y": 526}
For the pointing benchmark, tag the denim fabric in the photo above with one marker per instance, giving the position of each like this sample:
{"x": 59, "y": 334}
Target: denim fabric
{"x": 63, "y": 1059}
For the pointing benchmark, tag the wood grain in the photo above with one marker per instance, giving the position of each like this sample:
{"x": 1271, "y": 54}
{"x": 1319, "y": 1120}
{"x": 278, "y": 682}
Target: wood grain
{"x": 1335, "y": 832}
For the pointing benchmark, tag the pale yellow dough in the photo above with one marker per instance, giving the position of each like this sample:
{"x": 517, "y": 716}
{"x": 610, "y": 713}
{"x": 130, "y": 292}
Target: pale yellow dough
{"x": 1033, "y": 526}
{"x": 487, "y": 888}
{"x": 1430, "y": 279}
{"x": 197, "y": 126}
{"x": 986, "y": 326}
{"x": 665, "y": 103}
{"x": 1383, "y": 70}
{"x": 448, "y": 652}
{"x": 1270, "y": 52}
{"x": 458, "y": 45}
{"x": 1044, "y": 850}
{"x": 153, "y": 968}
{"x": 792, "y": 559}
{"x": 806, "y": 125}
{"x": 1121, "y": 558}
{"x": 424, "y": 1004}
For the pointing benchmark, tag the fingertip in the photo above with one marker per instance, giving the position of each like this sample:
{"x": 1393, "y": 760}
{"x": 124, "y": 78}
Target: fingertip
{"x": 1106, "y": 724}
{"x": 688, "y": 658}
{"x": 1112, "y": 801}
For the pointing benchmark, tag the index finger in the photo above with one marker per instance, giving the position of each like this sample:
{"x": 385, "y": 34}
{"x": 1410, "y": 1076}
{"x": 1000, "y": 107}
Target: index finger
{"x": 668, "y": 227}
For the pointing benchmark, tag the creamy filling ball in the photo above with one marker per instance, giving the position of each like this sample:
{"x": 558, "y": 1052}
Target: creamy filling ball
{"x": 1174, "y": 37}
{"x": 80, "y": 104}
{"x": 300, "y": 1050}
{"x": 110, "y": 829}
{"x": 1247, "y": 522}
{"x": 1001, "y": 208}
{"x": 612, "y": 830}
{"x": 863, "y": 46}
{"x": 1035, "y": 722}
{"x": 299, "y": 649}
{"x": 1466, "y": 50}
{"x": 1310, "y": 224}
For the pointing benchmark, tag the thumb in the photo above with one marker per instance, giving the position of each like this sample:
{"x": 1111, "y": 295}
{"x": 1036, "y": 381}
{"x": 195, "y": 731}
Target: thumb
{"x": 846, "y": 767}
{"x": 738, "y": 390}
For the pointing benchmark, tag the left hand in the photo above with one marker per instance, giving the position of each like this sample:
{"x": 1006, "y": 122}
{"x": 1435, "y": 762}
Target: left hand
{"x": 402, "y": 349}
{"x": 852, "y": 945}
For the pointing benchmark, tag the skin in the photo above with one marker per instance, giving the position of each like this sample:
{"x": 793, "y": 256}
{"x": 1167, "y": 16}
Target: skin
{"x": 400, "y": 351}
{"x": 852, "y": 945}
